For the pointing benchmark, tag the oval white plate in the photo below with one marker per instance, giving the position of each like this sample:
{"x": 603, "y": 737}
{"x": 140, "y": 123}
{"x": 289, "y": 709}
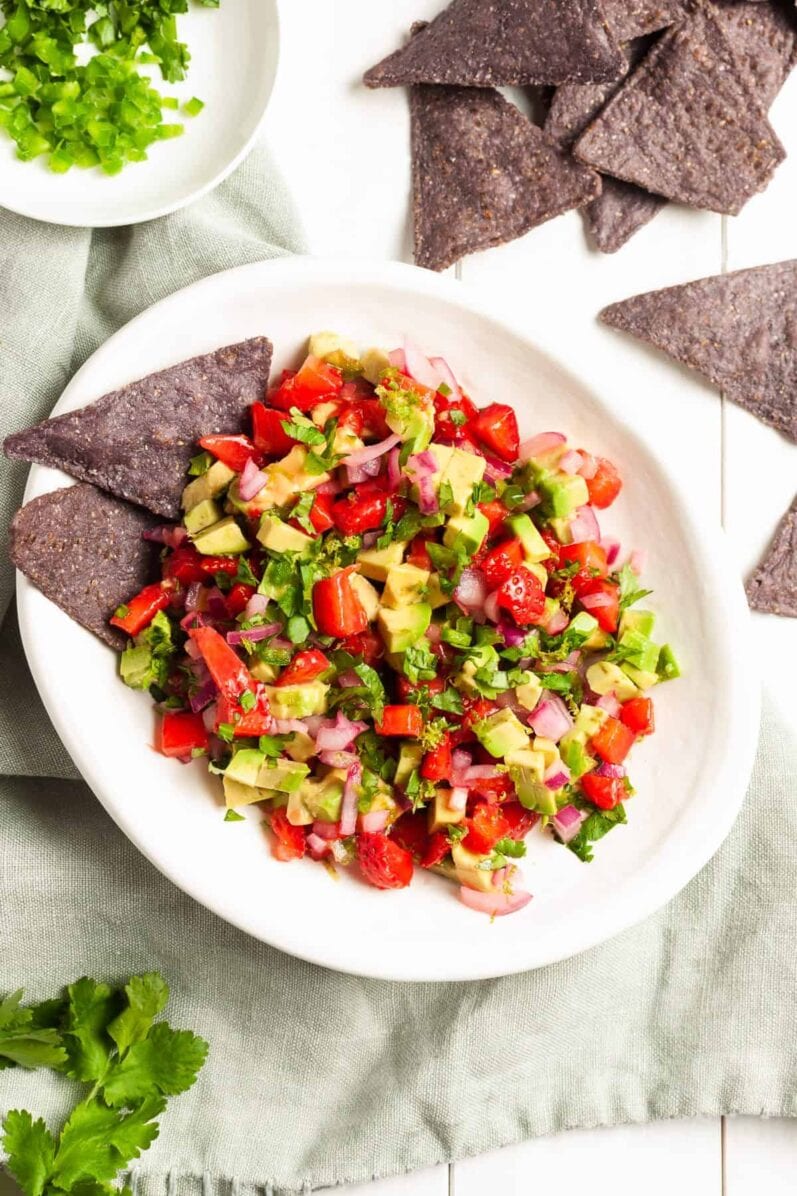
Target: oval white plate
{"x": 234, "y": 51}
{"x": 690, "y": 778}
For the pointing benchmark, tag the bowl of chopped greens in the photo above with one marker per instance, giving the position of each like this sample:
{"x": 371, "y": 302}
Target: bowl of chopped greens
{"x": 111, "y": 114}
{"x": 409, "y": 602}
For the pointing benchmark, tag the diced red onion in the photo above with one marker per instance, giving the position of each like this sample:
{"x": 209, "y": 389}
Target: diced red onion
{"x": 508, "y": 701}
{"x": 612, "y": 549}
{"x": 491, "y": 607}
{"x": 203, "y": 696}
{"x": 637, "y": 559}
{"x": 571, "y": 461}
{"x": 419, "y": 366}
{"x": 427, "y": 496}
{"x": 616, "y": 771}
{"x": 370, "y": 538}
{"x": 433, "y": 633}
{"x": 496, "y": 471}
{"x": 251, "y": 481}
{"x": 209, "y": 716}
{"x": 337, "y": 759}
{"x": 192, "y": 619}
{"x": 471, "y": 590}
{"x": 257, "y": 605}
{"x": 330, "y": 487}
{"x": 447, "y": 374}
{"x": 326, "y": 830}
{"x": 348, "y": 808}
{"x": 317, "y": 847}
{"x": 556, "y": 622}
{"x": 357, "y": 474}
{"x": 422, "y": 467}
{"x": 589, "y": 466}
{"x": 531, "y": 500}
{"x": 512, "y": 636}
{"x": 557, "y": 775}
{"x": 545, "y": 442}
{"x": 592, "y": 602}
{"x": 567, "y": 822}
{"x": 349, "y": 680}
{"x": 290, "y": 726}
{"x": 255, "y": 634}
{"x": 398, "y": 360}
{"x": 550, "y": 719}
{"x": 584, "y": 526}
{"x": 457, "y": 799}
{"x": 394, "y": 468}
{"x": 460, "y": 760}
{"x": 480, "y": 772}
{"x": 609, "y": 703}
{"x": 338, "y": 735}
{"x": 170, "y": 534}
{"x": 495, "y": 904}
{"x": 192, "y": 595}
{"x": 216, "y": 605}
{"x": 374, "y": 821}
{"x": 371, "y": 452}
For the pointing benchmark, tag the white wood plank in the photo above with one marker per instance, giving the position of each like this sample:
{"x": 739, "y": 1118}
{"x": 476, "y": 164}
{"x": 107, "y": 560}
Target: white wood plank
{"x": 760, "y": 1156}
{"x": 657, "y": 1159}
{"x": 433, "y": 1182}
{"x": 761, "y": 465}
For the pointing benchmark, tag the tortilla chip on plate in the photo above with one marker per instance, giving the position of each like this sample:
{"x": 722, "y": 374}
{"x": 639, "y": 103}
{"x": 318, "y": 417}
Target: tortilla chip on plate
{"x": 773, "y": 586}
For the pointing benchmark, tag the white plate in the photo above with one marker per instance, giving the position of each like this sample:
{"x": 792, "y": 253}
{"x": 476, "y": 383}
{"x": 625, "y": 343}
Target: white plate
{"x": 690, "y": 778}
{"x": 234, "y": 51}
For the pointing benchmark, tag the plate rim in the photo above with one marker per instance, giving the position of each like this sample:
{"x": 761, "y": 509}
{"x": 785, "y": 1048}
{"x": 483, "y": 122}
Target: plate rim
{"x": 156, "y": 212}
{"x": 734, "y": 773}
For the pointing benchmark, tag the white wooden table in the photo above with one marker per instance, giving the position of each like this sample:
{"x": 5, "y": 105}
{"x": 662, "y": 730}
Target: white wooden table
{"x": 344, "y": 152}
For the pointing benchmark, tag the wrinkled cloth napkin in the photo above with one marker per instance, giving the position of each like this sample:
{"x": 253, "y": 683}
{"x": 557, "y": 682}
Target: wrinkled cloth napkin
{"x": 316, "y": 1078}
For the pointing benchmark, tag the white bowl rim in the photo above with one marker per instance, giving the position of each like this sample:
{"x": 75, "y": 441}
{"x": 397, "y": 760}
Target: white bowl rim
{"x": 733, "y": 772}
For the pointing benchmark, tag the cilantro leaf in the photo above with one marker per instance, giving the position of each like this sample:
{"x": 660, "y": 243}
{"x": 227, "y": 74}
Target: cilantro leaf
{"x": 300, "y": 428}
{"x": 233, "y": 816}
{"x": 166, "y": 1062}
{"x": 91, "y": 1007}
{"x": 147, "y": 996}
{"x": 30, "y": 1149}
{"x": 29, "y": 1047}
{"x": 148, "y": 660}
{"x": 597, "y": 824}
{"x": 245, "y": 575}
{"x": 301, "y": 512}
{"x": 629, "y": 588}
{"x": 97, "y": 1141}
{"x": 374, "y": 688}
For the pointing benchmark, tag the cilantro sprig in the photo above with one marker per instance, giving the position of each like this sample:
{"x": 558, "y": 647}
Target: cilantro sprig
{"x": 108, "y": 1038}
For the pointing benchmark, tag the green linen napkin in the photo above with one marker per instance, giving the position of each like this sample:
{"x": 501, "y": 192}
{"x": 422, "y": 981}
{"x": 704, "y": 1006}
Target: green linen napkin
{"x": 316, "y": 1078}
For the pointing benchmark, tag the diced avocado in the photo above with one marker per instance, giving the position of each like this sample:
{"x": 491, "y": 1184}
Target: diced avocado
{"x": 374, "y": 362}
{"x": 529, "y": 694}
{"x": 324, "y": 344}
{"x": 440, "y": 813}
{"x": 640, "y": 677}
{"x": 300, "y": 746}
{"x": 576, "y": 758}
{"x": 262, "y": 671}
{"x": 502, "y": 733}
{"x": 668, "y": 667}
{"x": 245, "y": 766}
{"x": 203, "y": 515}
{"x": 281, "y": 537}
{"x": 466, "y": 531}
{"x": 589, "y": 721}
{"x": 561, "y": 529}
{"x": 534, "y": 547}
{"x": 463, "y": 471}
{"x": 465, "y": 678}
{"x": 285, "y": 479}
{"x": 466, "y": 865}
{"x": 297, "y": 812}
{"x": 402, "y": 628}
{"x": 638, "y": 651}
{"x": 583, "y": 626}
{"x": 346, "y": 441}
{"x": 224, "y": 538}
{"x": 538, "y": 570}
{"x": 597, "y": 641}
{"x": 297, "y": 701}
{"x": 642, "y": 621}
{"x": 369, "y": 598}
{"x": 238, "y": 794}
{"x": 606, "y": 678}
{"x": 408, "y": 413}
{"x": 405, "y": 585}
{"x": 563, "y": 493}
{"x": 209, "y": 485}
{"x": 442, "y": 454}
{"x": 322, "y": 796}
{"x": 527, "y": 769}
{"x": 382, "y": 798}
{"x": 376, "y": 562}
{"x": 434, "y": 594}
{"x": 410, "y": 756}
{"x": 323, "y": 411}
{"x": 283, "y": 775}
{"x": 549, "y": 750}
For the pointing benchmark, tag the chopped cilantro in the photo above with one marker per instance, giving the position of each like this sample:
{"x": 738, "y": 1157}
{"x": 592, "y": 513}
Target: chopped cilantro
{"x": 374, "y": 688}
{"x": 449, "y": 701}
{"x": 597, "y": 824}
{"x": 199, "y": 464}
{"x": 445, "y": 390}
{"x": 233, "y": 816}
{"x": 247, "y": 700}
{"x": 514, "y": 848}
{"x": 245, "y": 576}
{"x": 272, "y": 745}
{"x": 226, "y": 731}
{"x": 300, "y": 428}
{"x": 445, "y": 495}
{"x": 458, "y": 418}
{"x": 629, "y": 589}
{"x": 301, "y": 511}
{"x": 121, "y": 611}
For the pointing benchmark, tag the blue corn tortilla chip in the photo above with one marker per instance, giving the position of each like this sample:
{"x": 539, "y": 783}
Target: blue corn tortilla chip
{"x": 628, "y": 19}
{"x": 688, "y": 125}
{"x": 137, "y": 441}
{"x": 739, "y": 330}
{"x": 483, "y": 174}
{"x": 773, "y": 586}
{"x": 83, "y": 549}
{"x": 476, "y": 43}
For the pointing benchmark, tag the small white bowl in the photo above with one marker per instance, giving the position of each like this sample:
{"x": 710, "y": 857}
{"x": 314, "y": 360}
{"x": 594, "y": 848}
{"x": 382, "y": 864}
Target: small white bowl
{"x": 234, "y": 53}
{"x": 690, "y": 777}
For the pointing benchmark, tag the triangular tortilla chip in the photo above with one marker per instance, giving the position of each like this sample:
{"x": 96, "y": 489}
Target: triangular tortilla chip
{"x": 773, "y": 586}
{"x": 634, "y": 18}
{"x": 83, "y": 550}
{"x": 137, "y": 441}
{"x": 505, "y": 42}
{"x": 739, "y": 330}
{"x": 687, "y": 124}
{"x": 483, "y": 174}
